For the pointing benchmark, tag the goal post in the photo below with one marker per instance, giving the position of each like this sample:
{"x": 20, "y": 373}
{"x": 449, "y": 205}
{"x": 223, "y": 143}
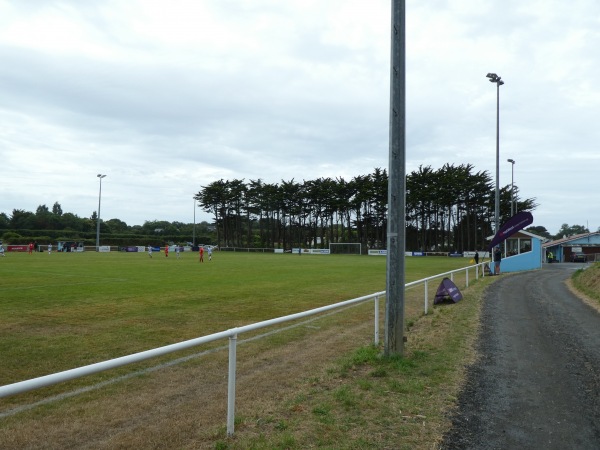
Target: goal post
{"x": 345, "y": 248}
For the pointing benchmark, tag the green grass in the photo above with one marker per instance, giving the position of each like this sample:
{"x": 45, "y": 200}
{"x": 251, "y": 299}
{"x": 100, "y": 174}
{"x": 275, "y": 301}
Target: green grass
{"x": 369, "y": 401}
{"x": 62, "y": 311}
{"x": 588, "y": 281}
{"x": 65, "y": 310}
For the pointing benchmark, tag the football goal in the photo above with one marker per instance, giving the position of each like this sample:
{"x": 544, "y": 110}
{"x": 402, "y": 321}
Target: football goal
{"x": 345, "y": 248}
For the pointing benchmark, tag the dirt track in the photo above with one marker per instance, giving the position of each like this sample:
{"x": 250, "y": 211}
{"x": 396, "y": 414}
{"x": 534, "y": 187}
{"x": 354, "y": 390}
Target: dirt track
{"x": 537, "y": 383}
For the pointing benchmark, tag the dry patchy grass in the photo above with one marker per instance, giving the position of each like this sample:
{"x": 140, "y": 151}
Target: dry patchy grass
{"x": 185, "y": 406}
{"x": 326, "y": 388}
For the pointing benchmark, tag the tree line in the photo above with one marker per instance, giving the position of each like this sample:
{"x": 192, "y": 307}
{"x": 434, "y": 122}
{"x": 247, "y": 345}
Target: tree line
{"x": 46, "y": 225}
{"x": 448, "y": 209}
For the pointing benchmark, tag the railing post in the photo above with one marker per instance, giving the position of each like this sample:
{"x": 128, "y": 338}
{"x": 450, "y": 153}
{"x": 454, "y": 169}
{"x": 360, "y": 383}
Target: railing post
{"x": 426, "y": 295}
{"x": 377, "y": 320}
{"x": 231, "y": 385}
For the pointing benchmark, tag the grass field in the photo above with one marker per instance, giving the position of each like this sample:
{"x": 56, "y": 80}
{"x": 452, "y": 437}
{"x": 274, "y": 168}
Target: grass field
{"x": 62, "y": 311}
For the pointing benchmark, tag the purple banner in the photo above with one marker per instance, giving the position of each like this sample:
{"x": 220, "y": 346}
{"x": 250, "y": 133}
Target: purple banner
{"x": 447, "y": 290}
{"x": 512, "y": 225}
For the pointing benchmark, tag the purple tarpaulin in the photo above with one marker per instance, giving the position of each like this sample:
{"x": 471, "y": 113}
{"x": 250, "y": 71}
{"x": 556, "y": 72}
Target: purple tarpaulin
{"x": 512, "y": 225}
{"x": 447, "y": 290}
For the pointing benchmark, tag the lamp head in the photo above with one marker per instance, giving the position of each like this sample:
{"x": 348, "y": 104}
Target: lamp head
{"x": 512, "y": 161}
{"x": 494, "y": 78}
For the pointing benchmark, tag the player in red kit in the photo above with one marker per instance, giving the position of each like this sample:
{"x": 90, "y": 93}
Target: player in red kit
{"x": 201, "y": 251}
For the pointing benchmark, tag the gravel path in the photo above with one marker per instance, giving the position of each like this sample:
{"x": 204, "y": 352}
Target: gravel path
{"x": 537, "y": 383}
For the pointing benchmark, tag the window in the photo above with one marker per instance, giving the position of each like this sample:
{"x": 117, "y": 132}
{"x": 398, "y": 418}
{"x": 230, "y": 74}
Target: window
{"x": 525, "y": 245}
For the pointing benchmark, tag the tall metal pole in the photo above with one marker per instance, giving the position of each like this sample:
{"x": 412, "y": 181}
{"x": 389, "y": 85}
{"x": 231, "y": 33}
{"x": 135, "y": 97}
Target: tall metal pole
{"x": 494, "y": 78}
{"x": 512, "y": 185}
{"x": 194, "y": 229}
{"x": 514, "y": 197}
{"x": 100, "y": 176}
{"x": 512, "y": 189}
{"x": 497, "y": 206}
{"x": 395, "y": 276}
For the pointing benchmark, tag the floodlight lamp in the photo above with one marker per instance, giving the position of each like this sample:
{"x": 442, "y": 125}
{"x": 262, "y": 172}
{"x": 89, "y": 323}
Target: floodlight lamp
{"x": 494, "y": 78}
{"x": 512, "y": 161}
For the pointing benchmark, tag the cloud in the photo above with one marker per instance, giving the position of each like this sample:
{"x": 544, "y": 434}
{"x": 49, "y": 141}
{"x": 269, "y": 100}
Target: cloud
{"x": 166, "y": 98}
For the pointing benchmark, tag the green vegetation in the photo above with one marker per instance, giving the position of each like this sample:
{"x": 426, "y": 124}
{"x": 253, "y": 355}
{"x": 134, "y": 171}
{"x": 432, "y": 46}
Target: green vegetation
{"x": 64, "y": 310}
{"x": 72, "y": 309}
{"x": 448, "y": 209}
{"x": 45, "y": 226}
{"x": 588, "y": 281}
{"x": 368, "y": 401}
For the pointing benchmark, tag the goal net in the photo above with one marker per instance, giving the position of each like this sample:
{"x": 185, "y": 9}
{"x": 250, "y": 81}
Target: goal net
{"x": 345, "y": 248}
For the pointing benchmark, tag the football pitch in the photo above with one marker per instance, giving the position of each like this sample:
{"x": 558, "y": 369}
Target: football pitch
{"x": 67, "y": 310}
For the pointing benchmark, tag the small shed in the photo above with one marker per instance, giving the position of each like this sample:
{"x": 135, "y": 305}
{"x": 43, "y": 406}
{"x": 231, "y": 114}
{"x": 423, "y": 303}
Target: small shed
{"x": 522, "y": 251}
{"x": 563, "y": 249}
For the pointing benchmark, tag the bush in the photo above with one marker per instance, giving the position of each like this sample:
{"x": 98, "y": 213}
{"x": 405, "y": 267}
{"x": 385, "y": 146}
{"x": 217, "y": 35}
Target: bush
{"x": 11, "y": 237}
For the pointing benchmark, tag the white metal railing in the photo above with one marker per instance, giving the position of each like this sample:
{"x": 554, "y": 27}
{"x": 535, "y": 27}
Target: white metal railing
{"x": 48, "y": 380}
{"x": 231, "y": 334}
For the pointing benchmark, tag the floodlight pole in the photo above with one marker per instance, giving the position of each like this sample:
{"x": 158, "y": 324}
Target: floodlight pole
{"x": 194, "y": 229}
{"x": 396, "y": 223}
{"x": 494, "y": 78}
{"x": 100, "y": 176}
{"x": 512, "y": 186}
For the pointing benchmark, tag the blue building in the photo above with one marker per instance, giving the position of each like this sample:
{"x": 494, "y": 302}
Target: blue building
{"x": 563, "y": 249}
{"x": 522, "y": 251}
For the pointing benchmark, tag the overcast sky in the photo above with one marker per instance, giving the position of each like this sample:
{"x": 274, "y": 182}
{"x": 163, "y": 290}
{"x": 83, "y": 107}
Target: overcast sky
{"x": 167, "y": 96}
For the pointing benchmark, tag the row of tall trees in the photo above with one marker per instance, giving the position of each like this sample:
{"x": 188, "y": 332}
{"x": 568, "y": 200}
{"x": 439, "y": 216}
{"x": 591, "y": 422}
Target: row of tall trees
{"x": 291, "y": 214}
{"x": 451, "y": 208}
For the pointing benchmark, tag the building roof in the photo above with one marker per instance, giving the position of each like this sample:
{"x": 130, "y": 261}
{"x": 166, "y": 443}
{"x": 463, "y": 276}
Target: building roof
{"x": 568, "y": 239}
{"x": 519, "y": 233}
{"x": 530, "y": 234}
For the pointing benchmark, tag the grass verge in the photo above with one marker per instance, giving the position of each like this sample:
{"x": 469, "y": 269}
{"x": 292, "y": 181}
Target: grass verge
{"x": 588, "y": 281}
{"x": 368, "y": 401}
